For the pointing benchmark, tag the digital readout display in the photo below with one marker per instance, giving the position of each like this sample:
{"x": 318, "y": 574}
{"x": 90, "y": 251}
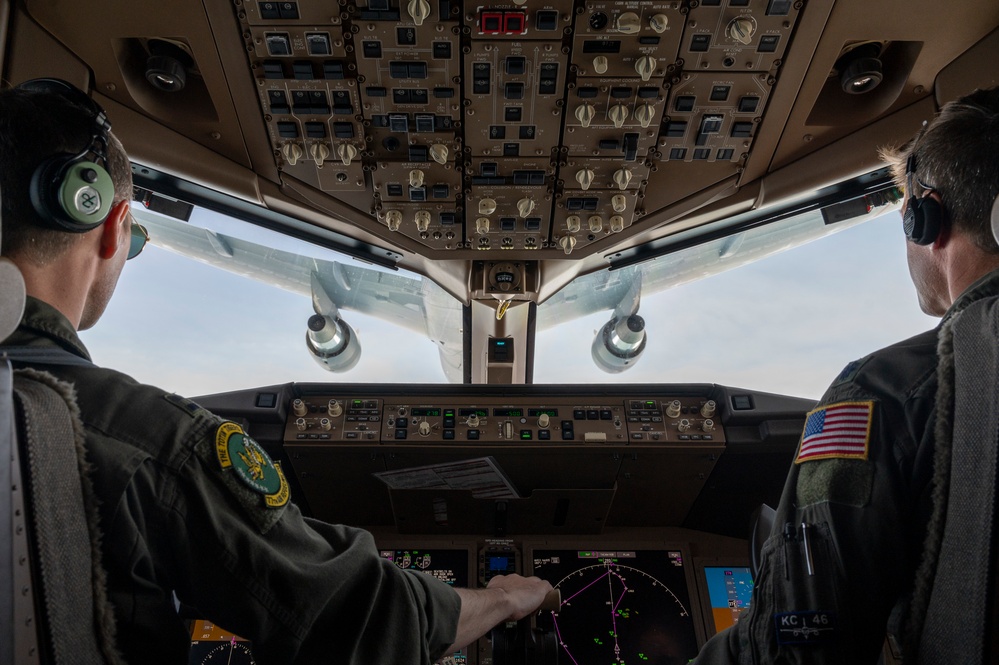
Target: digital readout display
{"x": 434, "y": 413}
{"x": 508, "y": 413}
{"x": 552, "y": 413}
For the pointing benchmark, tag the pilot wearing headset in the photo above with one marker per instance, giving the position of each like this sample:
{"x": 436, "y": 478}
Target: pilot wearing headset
{"x": 856, "y": 548}
{"x": 189, "y": 509}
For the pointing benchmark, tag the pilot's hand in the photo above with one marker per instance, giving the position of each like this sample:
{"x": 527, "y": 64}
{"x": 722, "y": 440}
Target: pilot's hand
{"x": 525, "y": 594}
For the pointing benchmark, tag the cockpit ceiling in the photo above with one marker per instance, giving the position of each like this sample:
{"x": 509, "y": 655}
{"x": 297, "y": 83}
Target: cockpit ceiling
{"x": 528, "y": 131}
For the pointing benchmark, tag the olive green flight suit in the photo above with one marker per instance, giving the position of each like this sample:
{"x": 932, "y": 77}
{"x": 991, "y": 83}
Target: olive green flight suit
{"x": 834, "y": 600}
{"x": 177, "y": 523}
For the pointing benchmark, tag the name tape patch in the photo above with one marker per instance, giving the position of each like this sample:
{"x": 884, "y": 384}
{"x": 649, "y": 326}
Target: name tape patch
{"x": 841, "y": 431}
{"x": 807, "y": 627}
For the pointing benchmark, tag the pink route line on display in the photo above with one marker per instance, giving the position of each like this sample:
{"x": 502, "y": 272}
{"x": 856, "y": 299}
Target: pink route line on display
{"x": 617, "y": 647}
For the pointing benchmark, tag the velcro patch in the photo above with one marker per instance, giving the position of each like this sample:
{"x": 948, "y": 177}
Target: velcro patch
{"x": 184, "y": 404}
{"x": 850, "y": 371}
{"x": 837, "y": 431}
{"x": 806, "y": 627}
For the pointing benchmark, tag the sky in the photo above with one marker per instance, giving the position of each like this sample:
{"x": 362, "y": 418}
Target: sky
{"x": 787, "y": 324}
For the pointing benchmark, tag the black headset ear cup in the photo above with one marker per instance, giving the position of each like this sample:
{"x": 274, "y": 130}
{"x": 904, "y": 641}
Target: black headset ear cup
{"x": 923, "y": 220}
{"x": 71, "y": 194}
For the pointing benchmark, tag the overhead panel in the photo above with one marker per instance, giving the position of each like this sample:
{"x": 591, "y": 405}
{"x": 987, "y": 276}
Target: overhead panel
{"x": 533, "y": 129}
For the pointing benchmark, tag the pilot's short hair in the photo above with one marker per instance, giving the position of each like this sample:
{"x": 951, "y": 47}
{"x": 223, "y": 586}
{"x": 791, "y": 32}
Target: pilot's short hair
{"x": 957, "y": 154}
{"x": 34, "y": 126}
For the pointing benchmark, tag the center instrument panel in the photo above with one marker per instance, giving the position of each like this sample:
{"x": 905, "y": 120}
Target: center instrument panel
{"x": 634, "y": 501}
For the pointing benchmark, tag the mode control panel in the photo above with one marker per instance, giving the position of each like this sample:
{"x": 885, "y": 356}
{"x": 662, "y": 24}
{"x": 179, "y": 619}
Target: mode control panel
{"x": 548, "y": 421}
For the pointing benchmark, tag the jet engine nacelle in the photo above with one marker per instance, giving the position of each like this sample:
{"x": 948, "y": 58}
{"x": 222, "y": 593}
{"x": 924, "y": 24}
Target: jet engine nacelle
{"x": 619, "y": 344}
{"x": 332, "y": 343}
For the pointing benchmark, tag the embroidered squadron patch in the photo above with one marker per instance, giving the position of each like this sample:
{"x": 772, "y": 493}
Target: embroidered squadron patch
{"x": 837, "y": 431}
{"x": 241, "y": 455}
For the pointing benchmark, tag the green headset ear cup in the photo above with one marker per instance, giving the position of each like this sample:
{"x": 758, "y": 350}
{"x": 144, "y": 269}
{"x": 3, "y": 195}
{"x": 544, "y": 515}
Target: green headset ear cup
{"x": 73, "y": 195}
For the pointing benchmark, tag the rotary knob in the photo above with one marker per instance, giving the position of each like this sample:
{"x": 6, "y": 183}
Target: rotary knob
{"x": 422, "y": 221}
{"x": 325, "y": 424}
{"x": 621, "y": 178}
{"x": 482, "y": 225}
{"x": 525, "y": 206}
{"x": 473, "y": 420}
{"x": 319, "y": 153}
{"x": 544, "y": 420}
{"x": 673, "y": 409}
{"x": 708, "y": 425}
{"x": 616, "y": 224}
{"x": 439, "y": 153}
{"x": 567, "y": 243}
{"x": 646, "y": 67}
{"x": 741, "y": 29}
{"x": 573, "y": 223}
{"x": 585, "y": 114}
{"x": 645, "y": 114}
{"x": 628, "y": 23}
{"x": 600, "y": 64}
{"x": 659, "y": 23}
{"x": 299, "y": 408}
{"x": 393, "y": 219}
{"x": 708, "y": 408}
{"x": 419, "y": 10}
{"x": 619, "y": 203}
{"x": 301, "y": 424}
{"x": 334, "y": 408}
{"x": 596, "y": 223}
{"x": 346, "y": 152}
{"x": 618, "y": 114}
{"x": 292, "y": 152}
{"x": 585, "y": 178}
{"x": 487, "y": 206}
{"x": 683, "y": 425}
{"x": 416, "y": 178}
{"x": 424, "y": 428}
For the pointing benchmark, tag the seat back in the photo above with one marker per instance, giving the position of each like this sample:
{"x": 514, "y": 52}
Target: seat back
{"x": 18, "y": 641}
{"x": 52, "y": 606}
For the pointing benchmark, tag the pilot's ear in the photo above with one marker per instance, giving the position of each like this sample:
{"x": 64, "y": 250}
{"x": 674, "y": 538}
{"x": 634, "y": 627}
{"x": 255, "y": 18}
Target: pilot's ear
{"x": 115, "y": 230}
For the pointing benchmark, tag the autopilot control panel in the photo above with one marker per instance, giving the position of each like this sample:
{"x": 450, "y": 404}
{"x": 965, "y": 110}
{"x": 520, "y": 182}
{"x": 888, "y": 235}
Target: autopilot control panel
{"x": 681, "y": 420}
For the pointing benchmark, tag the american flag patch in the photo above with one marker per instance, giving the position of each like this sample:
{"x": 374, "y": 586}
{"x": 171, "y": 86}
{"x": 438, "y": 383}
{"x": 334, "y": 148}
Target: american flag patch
{"x": 837, "y": 431}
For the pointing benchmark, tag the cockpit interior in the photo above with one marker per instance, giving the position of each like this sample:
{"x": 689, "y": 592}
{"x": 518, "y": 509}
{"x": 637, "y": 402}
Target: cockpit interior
{"x": 529, "y": 161}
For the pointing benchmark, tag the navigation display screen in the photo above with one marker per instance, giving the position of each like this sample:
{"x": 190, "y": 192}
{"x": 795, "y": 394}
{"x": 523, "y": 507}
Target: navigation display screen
{"x": 622, "y": 606}
{"x": 448, "y": 565}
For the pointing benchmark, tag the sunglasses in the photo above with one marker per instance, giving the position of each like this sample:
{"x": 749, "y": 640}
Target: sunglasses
{"x": 138, "y": 240}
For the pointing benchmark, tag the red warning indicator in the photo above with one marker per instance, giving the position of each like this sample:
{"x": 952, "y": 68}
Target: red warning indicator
{"x": 492, "y": 22}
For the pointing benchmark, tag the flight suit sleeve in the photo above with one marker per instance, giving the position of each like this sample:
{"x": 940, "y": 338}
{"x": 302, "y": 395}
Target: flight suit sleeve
{"x": 843, "y": 548}
{"x": 301, "y": 590}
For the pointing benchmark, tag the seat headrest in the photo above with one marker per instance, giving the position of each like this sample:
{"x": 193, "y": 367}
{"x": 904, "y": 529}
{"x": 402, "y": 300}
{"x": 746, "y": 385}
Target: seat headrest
{"x": 995, "y": 219}
{"x": 11, "y": 297}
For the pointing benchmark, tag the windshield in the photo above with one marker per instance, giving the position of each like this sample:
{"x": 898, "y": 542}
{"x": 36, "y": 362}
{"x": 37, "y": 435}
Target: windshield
{"x": 236, "y": 315}
{"x": 759, "y": 310}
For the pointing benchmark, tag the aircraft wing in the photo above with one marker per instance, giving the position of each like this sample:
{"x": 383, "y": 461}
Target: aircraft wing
{"x": 612, "y": 289}
{"x": 416, "y": 304}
